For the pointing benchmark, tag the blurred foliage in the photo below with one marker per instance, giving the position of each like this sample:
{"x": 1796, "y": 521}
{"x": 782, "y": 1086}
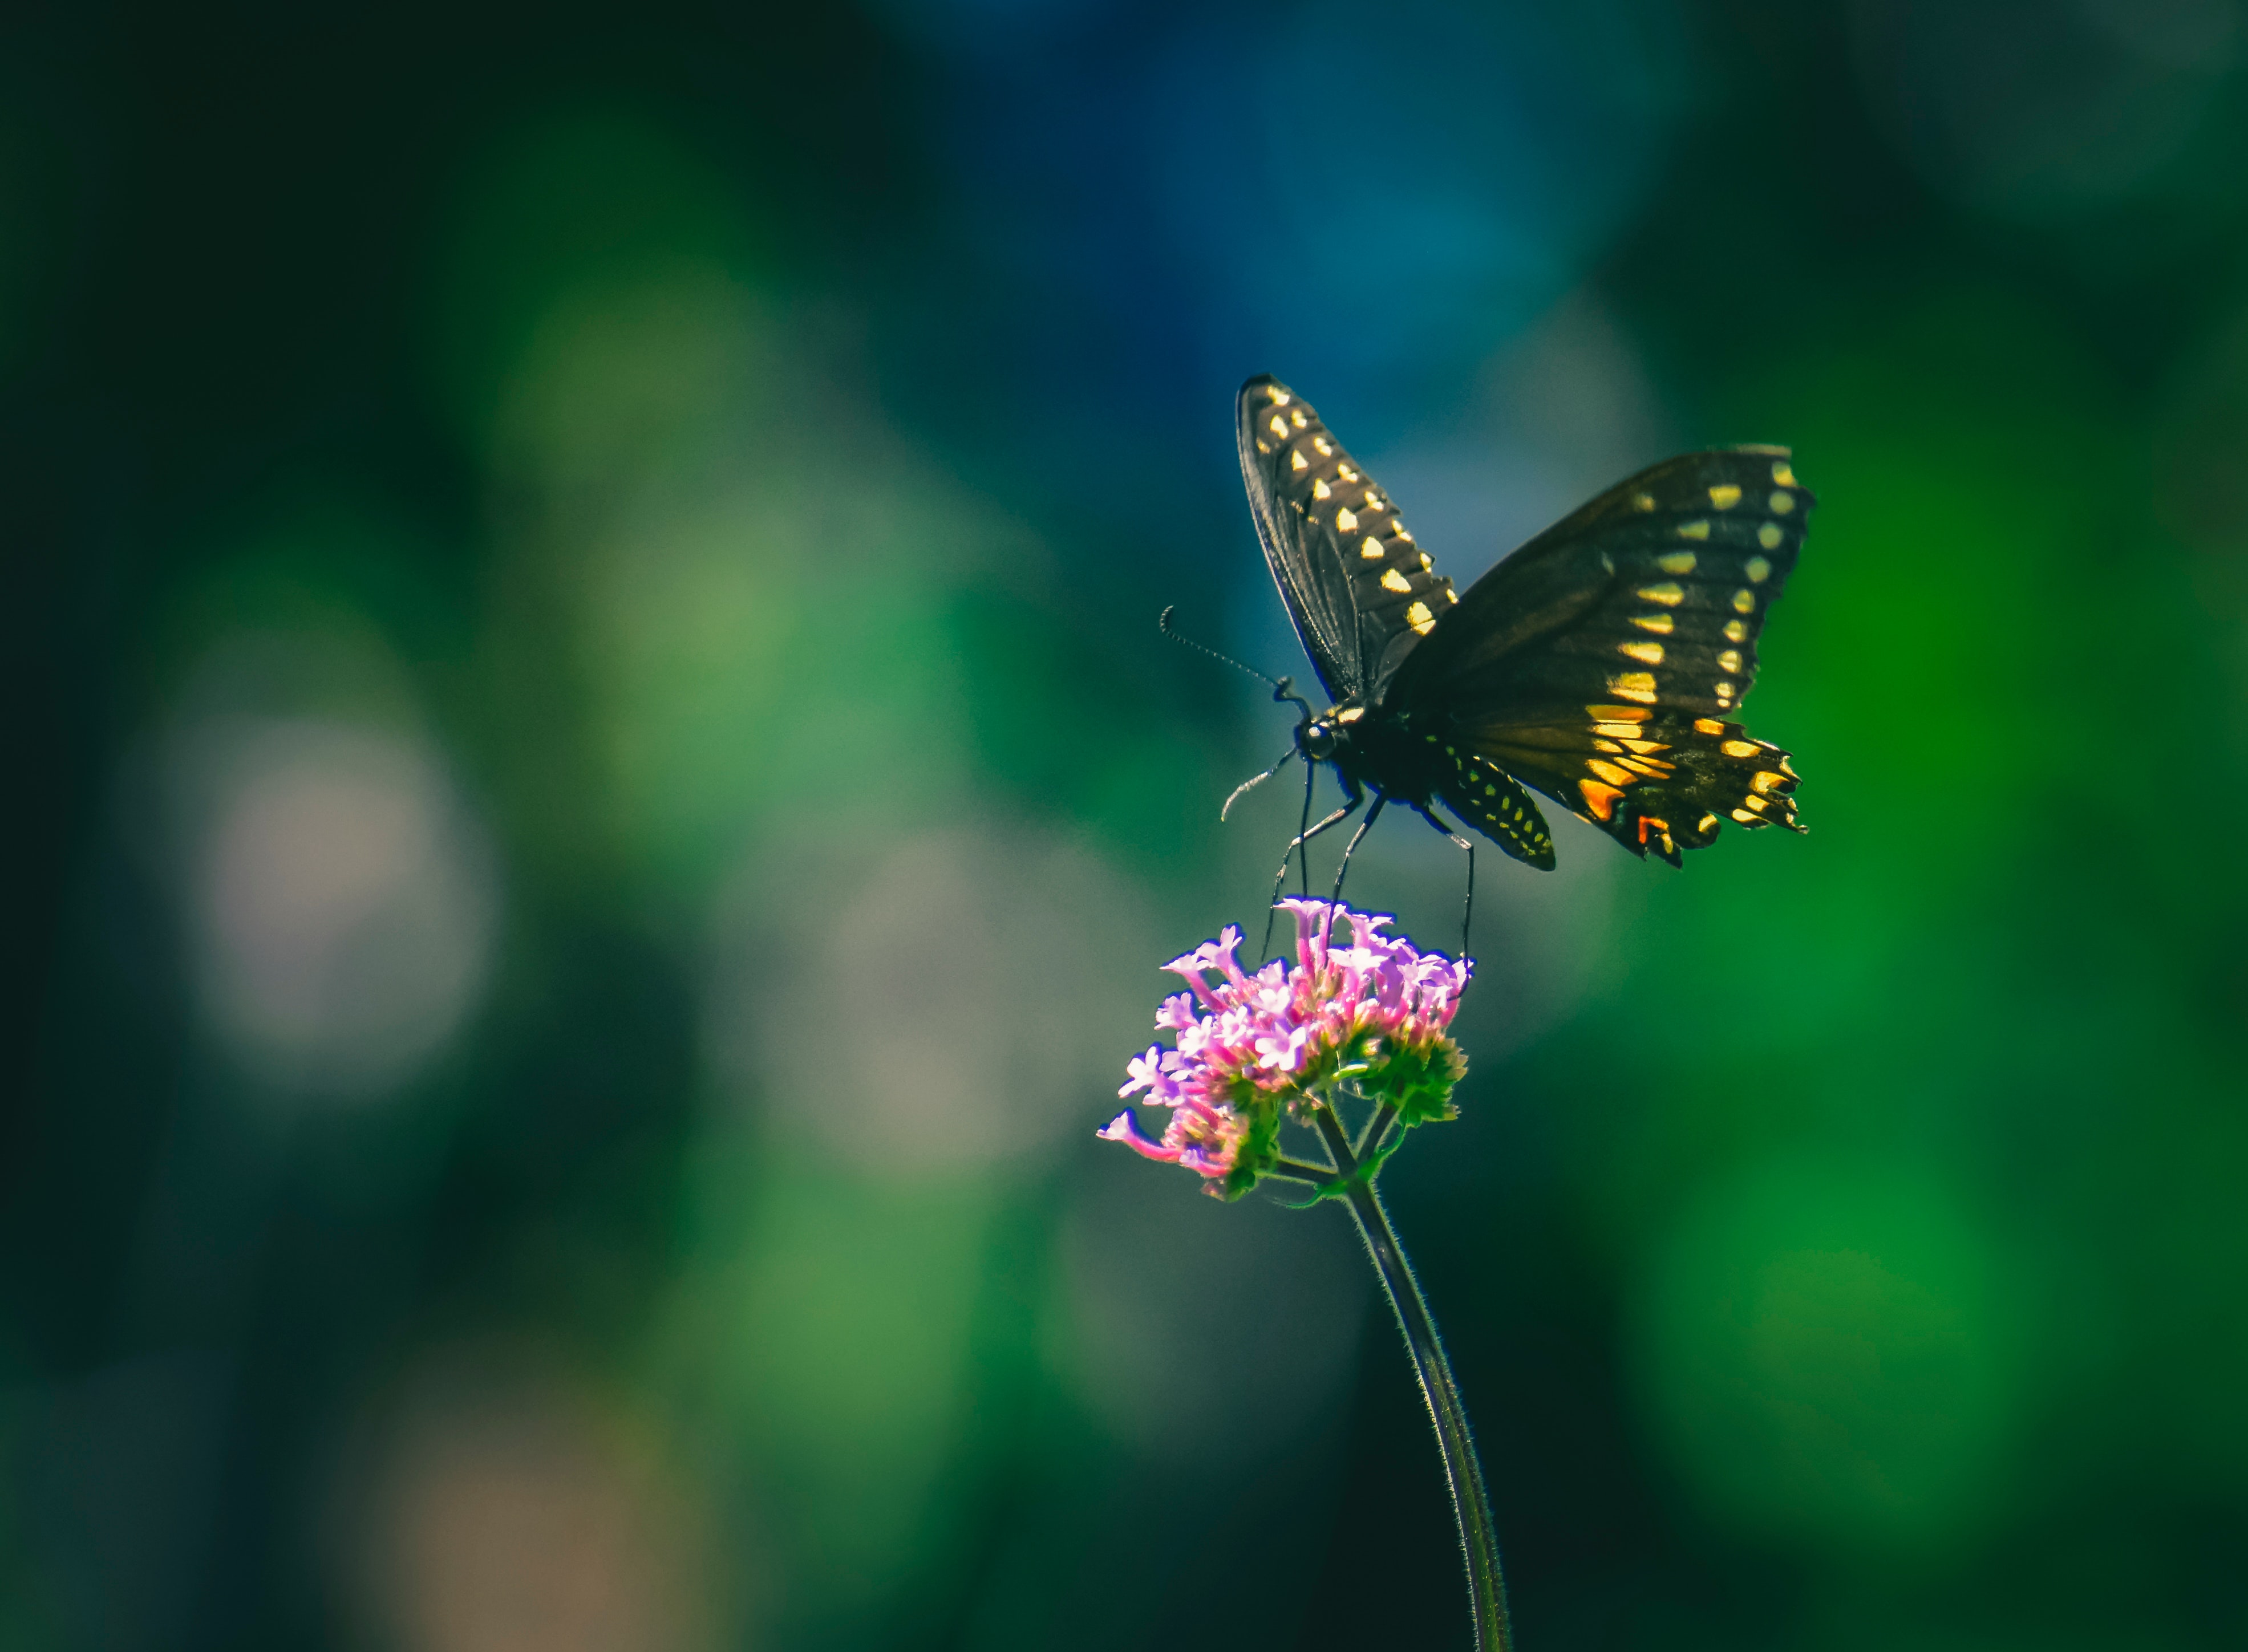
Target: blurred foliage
{"x": 598, "y": 797}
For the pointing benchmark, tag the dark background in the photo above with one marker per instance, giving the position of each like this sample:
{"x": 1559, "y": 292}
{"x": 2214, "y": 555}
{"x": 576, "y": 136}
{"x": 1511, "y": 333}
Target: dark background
{"x": 594, "y": 800}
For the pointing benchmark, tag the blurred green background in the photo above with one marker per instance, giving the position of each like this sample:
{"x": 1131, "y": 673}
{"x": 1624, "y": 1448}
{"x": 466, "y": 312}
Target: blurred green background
{"x": 594, "y": 797}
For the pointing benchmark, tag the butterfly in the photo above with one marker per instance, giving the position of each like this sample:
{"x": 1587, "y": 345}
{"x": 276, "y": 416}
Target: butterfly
{"x": 1602, "y": 664}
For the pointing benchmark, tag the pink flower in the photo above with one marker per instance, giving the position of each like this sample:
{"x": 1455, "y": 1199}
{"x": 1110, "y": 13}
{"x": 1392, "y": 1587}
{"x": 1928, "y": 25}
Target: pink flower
{"x": 1252, "y": 1051}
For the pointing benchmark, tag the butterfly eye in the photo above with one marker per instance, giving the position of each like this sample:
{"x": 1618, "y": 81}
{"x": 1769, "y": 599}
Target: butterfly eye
{"x": 1318, "y": 740}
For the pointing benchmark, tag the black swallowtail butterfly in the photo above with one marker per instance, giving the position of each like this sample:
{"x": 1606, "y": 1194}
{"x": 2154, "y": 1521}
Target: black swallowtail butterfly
{"x": 1600, "y": 663}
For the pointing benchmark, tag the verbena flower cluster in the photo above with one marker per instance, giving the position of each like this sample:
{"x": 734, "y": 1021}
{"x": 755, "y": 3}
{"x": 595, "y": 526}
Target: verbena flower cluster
{"x": 1251, "y": 1051}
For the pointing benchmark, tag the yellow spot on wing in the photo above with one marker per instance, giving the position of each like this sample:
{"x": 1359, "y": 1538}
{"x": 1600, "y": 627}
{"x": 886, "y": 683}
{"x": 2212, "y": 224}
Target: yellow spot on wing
{"x": 1678, "y": 561}
{"x": 1634, "y": 685}
{"x": 1645, "y": 748}
{"x": 1394, "y": 580}
{"x": 1782, "y": 503}
{"x": 1297, "y": 417}
{"x": 1729, "y": 661}
{"x": 1737, "y": 631}
{"x": 1698, "y": 529}
{"x": 1784, "y": 474}
{"x": 1646, "y": 654}
{"x": 1346, "y": 520}
{"x": 1743, "y": 601}
{"x": 1608, "y": 772}
{"x": 1615, "y": 714}
{"x": 1280, "y": 398}
{"x": 1609, "y": 745}
{"x": 1419, "y": 618}
{"x": 1759, "y": 570}
{"x": 1602, "y": 800}
{"x": 1744, "y": 815}
{"x": 1642, "y": 502}
{"x": 1769, "y": 535}
{"x": 1661, "y": 624}
{"x": 1724, "y": 496}
{"x": 1372, "y": 550}
{"x": 1669, "y": 596}
{"x": 1707, "y": 824}
{"x": 1320, "y": 489}
{"x": 1279, "y": 426}
{"x": 1764, "y": 779}
{"x": 1739, "y": 748}
{"x": 1708, "y": 725}
{"x": 1296, "y": 461}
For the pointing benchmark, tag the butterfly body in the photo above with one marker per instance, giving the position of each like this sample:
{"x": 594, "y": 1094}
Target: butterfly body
{"x": 1601, "y": 663}
{"x": 1420, "y": 763}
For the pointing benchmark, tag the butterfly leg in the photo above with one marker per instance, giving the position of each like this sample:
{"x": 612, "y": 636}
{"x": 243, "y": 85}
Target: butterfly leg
{"x": 1467, "y": 911}
{"x": 1255, "y": 780}
{"x": 1350, "y": 848}
{"x": 1354, "y": 797}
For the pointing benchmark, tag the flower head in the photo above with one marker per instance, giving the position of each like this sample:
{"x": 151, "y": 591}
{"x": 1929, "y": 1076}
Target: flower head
{"x": 1250, "y": 1051}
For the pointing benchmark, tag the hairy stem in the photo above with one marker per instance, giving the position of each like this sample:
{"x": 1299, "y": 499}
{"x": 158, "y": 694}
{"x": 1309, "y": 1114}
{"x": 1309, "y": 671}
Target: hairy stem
{"x": 1377, "y": 1129}
{"x": 1471, "y": 1506}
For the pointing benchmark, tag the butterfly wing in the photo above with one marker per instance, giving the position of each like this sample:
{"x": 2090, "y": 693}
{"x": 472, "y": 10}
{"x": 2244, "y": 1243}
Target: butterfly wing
{"x": 1361, "y": 594}
{"x": 1601, "y": 663}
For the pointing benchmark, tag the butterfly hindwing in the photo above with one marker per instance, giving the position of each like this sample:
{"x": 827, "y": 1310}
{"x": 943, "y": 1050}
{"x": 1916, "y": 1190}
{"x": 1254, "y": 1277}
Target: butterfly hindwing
{"x": 1657, "y": 782}
{"x": 1361, "y": 592}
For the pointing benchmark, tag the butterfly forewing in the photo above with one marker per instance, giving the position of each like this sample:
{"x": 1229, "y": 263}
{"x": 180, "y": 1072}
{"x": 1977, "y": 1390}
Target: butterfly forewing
{"x": 1601, "y": 661}
{"x": 1361, "y": 592}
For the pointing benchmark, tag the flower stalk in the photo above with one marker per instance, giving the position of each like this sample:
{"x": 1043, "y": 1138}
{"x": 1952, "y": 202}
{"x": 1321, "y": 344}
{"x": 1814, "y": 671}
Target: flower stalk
{"x": 1371, "y": 1022}
{"x": 1439, "y": 1391}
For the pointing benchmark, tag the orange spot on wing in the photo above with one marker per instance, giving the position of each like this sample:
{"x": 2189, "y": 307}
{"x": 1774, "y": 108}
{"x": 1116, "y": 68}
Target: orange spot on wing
{"x": 1602, "y": 800}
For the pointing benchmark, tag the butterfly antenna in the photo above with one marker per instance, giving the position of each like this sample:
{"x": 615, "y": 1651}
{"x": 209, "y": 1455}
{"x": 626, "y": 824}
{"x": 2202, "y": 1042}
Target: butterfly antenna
{"x": 1283, "y": 689}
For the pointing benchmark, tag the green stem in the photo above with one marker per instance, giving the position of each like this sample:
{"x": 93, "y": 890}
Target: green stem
{"x": 1470, "y": 1505}
{"x": 1377, "y": 1129}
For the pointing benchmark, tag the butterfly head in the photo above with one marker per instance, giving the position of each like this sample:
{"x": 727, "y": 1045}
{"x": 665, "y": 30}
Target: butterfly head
{"x": 1320, "y": 739}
